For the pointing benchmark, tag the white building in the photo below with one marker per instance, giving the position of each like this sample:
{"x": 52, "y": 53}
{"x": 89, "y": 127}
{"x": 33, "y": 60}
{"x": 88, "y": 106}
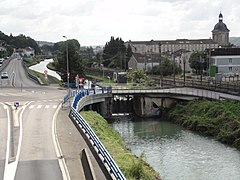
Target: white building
{"x": 226, "y": 60}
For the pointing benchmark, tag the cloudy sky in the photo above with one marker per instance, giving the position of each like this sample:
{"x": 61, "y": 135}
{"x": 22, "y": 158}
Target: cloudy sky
{"x": 93, "y": 22}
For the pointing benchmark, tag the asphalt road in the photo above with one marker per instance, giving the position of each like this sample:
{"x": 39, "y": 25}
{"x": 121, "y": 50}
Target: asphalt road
{"x": 3, "y": 137}
{"x": 30, "y": 152}
{"x": 37, "y": 158}
{"x": 38, "y": 130}
{"x": 17, "y": 75}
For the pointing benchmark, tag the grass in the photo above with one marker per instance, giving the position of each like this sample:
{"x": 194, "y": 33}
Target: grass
{"x": 32, "y": 61}
{"x": 131, "y": 166}
{"x": 219, "y": 119}
{"x": 48, "y": 81}
{"x": 35, "y": 60}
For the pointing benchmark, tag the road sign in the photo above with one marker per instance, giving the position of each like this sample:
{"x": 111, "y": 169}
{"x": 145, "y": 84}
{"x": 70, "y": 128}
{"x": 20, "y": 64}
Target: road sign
{"x": 46, "y": 73}
{"x": 16, "y": 105}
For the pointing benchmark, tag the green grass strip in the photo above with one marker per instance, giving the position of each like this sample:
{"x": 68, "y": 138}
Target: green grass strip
{"x": 132, "y": 167}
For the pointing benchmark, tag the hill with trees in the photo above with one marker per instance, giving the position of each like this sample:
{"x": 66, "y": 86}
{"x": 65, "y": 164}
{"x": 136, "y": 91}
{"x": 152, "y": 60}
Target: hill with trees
{"x": 20, "y": 41}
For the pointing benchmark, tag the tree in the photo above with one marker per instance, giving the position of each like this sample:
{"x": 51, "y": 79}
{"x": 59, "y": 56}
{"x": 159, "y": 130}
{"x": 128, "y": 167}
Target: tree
{"x": 129, "y": 54}
{"x": 140, "y": 77}
{"x": 20, "y": 41}
{"x": 114, "y": 53}
{"x": 74, "y": 60}
{"x": 198, "y": 61}
{"x": 167, "y": 68}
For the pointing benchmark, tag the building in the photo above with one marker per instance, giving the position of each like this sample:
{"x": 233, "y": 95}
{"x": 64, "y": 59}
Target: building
{"x": 226, "y": 61}
{"x": 180, "y": 50}
{"x": 26, "y": 52}
{"x": 220, "y": 33}
{"x": 143, "y": 61}
{"x": 168, "y": 47}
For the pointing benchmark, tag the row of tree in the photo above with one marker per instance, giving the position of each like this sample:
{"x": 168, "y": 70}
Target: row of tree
{"x": 20, "y": 41}
{"x": 67, "y": 53}
{"x": 116, "y": 55}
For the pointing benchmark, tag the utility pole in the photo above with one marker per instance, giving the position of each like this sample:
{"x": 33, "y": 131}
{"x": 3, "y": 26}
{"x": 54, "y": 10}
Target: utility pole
{"x": 174, "y": 68}
{"x": 68, "y": 73}
{"x": 184, "y": 67}
{"x": 160, "y": 65}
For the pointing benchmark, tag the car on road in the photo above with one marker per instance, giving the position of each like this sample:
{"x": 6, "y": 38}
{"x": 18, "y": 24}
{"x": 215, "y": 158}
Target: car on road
{"x": 1, "y": 60}
{"x": 4, "y": 75}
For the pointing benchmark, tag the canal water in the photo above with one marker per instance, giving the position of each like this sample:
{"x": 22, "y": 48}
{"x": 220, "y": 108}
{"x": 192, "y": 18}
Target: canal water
{"x": 42, "y": 66}
{"x": 177, "y": 153}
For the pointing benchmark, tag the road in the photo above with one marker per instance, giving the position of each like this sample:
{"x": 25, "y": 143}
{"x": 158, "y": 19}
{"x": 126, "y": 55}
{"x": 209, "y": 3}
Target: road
{"x": 3, "y": 137}
{"x": 27, "y": 148}
{"x": 17, "y": 75}
{"x": 38, "y": 140}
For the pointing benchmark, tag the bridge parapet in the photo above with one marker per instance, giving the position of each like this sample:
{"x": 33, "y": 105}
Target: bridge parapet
{"x": 182, "y": 91}
{"x": 83, "y": 97}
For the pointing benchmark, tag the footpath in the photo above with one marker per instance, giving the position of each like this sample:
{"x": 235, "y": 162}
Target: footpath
{"x": 72, "y": 143}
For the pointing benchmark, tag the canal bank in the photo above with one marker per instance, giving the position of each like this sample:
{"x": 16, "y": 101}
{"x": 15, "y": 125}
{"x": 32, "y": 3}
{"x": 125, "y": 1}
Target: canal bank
{"x": 131, "y": 166}
{"x": 219, "y": 119}
{"x": 177, "y": 153}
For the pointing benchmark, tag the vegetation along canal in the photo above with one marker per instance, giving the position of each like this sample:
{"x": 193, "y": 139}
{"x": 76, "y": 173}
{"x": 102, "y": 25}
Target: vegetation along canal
{"x": 177, "y": 153}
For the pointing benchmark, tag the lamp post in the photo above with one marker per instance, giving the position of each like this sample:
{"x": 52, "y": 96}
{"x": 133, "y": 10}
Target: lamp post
{"x": 108, "y": 80}
{"x": 68, "y": 74}
{"x": 174, "y": 69}
{"x": 160, "y": 65}
{"x": 184, "y": 68}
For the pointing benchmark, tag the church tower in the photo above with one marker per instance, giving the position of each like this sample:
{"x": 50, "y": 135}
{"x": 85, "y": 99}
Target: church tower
{"x": 220, "y": 33}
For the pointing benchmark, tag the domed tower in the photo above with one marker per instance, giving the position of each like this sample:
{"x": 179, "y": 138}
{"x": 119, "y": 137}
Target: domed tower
{"x": 220, "y": 33}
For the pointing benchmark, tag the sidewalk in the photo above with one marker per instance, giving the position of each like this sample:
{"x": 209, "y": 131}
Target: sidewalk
{"x": 72, "y": 143}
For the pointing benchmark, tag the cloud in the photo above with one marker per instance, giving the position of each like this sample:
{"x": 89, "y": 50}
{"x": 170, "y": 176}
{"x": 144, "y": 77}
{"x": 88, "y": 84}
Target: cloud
{"x": 95, "y": 21}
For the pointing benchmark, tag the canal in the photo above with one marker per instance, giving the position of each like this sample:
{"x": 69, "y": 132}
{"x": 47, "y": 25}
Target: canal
{"x": 42, "y": 66}
{"x": 177, "y": 153}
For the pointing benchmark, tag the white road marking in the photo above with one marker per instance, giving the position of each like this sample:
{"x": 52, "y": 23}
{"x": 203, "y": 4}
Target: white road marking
{"x": 6, "y": 170}
{"x": 42, "y": 106}
{"x": 58, "y": 150}
{"x": 10, "y": 169}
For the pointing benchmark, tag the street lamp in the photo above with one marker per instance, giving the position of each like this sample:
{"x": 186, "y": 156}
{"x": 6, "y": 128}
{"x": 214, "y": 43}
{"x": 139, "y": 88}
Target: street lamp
{"x": 108, "y": 80}
{"x": 160, "y": 65}
{"x": 68, "y": 74}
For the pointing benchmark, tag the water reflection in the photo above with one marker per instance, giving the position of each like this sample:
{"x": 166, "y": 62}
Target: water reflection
{"x": 177, "y": 153}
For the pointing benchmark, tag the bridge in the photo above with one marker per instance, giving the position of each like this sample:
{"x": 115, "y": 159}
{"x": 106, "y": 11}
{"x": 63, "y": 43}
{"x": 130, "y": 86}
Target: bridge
{"x": 146, "y": 102}
{"x": 103, "y": 97}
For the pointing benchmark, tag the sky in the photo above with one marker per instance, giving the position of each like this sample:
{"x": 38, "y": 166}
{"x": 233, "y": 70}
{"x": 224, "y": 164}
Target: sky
{"x": 93, "y": 22}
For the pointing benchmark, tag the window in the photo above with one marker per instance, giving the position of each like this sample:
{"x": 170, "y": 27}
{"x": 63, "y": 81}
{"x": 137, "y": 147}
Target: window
{"x": 230, "y": 68}
{"x": 230, "y": 60}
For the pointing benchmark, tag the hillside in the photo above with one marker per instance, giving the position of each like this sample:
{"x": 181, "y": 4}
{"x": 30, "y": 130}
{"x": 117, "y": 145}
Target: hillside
{"x": 20, "y": 41}
{"x": 42, "y": 43}
{"x": 235, "y": 41}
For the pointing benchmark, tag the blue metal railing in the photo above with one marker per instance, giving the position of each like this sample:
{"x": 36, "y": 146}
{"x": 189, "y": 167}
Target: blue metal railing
{"x": 113, "y": 168}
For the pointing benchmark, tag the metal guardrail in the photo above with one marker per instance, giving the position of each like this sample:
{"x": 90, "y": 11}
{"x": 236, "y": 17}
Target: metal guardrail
{"x": 106, "y": 158}
{"x": 32, "y": 77}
